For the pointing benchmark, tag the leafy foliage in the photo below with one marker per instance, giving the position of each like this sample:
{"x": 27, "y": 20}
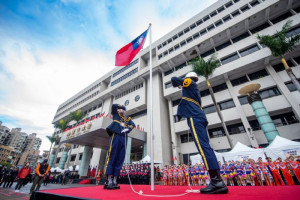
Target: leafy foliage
{"x": 52, "y": 138}
{"x": 205, "y": 68}
{"x": 62, "y": 124}
{"x": 280, "y": 43}
{"x": 77, "y": 116}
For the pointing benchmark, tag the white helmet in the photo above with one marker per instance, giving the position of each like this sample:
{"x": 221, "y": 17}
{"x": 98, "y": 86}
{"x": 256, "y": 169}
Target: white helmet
{"x": 191, "y": 74}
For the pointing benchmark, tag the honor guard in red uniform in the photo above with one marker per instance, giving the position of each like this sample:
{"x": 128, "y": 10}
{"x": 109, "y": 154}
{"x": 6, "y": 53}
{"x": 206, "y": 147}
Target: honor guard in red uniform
{"x": 275, "y": 172}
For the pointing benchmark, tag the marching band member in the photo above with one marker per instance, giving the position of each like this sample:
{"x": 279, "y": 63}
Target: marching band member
{"x": 285, "y": 171}
{"x": 275, "y": 172}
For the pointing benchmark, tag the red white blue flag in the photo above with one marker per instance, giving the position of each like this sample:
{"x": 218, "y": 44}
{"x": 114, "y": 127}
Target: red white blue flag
{"x": 126, "y": 54}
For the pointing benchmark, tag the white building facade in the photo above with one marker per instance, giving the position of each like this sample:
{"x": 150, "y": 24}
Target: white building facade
{"x": 227, "y": 28}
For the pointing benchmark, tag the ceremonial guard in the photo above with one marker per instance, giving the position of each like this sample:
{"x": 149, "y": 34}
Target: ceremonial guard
{"x": 190, "y": 107}
{"x": 118, "y": 131}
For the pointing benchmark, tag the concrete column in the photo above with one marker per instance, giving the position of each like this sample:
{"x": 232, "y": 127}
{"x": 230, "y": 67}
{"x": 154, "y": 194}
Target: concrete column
{"x": 263, "y": 117}
{"x": 63, "y": 160}
{"x": 174, "y": 141}
{"x": 161, "y": 126}
{"x": 285, "y": 91}
{"x": 145, "y": 150}
{"x": 96, "y": 157}
{"x": 51, "y": 161}
{"x": 85, "y": 161}
{"x": 240, "y": 110}
{"x": 128, "y": 150}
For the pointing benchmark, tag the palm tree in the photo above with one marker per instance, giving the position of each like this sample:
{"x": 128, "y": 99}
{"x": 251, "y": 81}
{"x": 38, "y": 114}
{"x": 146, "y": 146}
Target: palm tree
{"x": 52, "y": 138}
{"x": 205, "y": 69}
{"x": 77, "y": 116}
{"x": 280, "y": 44}
{"x": 62, "y": 124}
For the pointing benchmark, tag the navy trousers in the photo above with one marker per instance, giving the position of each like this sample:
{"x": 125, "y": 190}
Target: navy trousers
{"x": 199, "y": 134}
{"x": 116, "y": 154}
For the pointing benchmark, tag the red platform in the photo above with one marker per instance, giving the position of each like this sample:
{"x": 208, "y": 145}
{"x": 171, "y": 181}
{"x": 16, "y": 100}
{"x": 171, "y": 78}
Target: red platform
{"x": 235, "y": 192}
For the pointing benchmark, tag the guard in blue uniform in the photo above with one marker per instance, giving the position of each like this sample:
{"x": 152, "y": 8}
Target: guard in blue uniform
{"x": 118, "y": 131}
{"x": 190, "y": 107}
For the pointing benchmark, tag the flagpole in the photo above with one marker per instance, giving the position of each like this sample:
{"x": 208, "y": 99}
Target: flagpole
{"x": 151, "y": 111}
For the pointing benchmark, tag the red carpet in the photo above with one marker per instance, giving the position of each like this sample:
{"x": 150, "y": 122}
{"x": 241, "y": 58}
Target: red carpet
{"x": 236, "y": 192}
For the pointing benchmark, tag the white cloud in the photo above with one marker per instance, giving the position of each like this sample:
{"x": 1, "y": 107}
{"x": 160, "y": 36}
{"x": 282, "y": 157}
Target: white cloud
{"x": 37, "y": 78}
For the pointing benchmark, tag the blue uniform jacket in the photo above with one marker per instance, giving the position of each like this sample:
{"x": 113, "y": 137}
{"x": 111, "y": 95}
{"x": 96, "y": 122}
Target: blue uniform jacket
{"x": 119, "y": 122}
{"x": 190, "y": 104}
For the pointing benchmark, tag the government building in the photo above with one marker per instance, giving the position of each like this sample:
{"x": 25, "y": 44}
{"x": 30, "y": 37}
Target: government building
{"x": 229, "y": 29}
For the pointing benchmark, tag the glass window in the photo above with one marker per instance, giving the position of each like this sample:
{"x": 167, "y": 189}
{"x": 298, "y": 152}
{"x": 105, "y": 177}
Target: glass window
{"x": 239, "y": 81}
{"x": 189, "y": 40}
{"x": 229, "y": 59}
{"x": 235, "y": 1}
{"x": 213, "y": 13}
{"x": 224, "y": 45}
{"x": 209, "y": 109}
{"x": 291, "y": 86}
{"x": 259, "y": 28}
{"x": 281, "y": 17}
{"x": 176, "y": 102}
{"x": 168, "y": 85}
{"x": 204, "y": 93}
{"x": 226, "y": 104}
{"x": 186, "y": 30}
{"x": 226, "y": 18}
{"x": 259, "y": 74}
{"x": 211, "y": 27}
{"x": 293, "y": 31}
{"x": 182, "y": 43}
{"x": 180, "y": 33}
{"x": 254, "y": 125}
{"x": 80, "y": 156}
{"x": 176, "y": 118}
{"x": 297, "y": 10}
{"x": 254, "y": 3}
{"x": 245, "y": 8}
{"x": 220, "y": 9}
{"x": 164, "y": 44}
{"x": 206, "y": 18}
{"x": 195, "y": 36}
{"x": 159, "y": 47}
{"x": 171, "y": 50}
{"x": 207, "y": 53}
{"x": 165, "y": 53}
{"x": 218, "y": 23}
{"x": 267, "y": 93}
{"x": 175, "y": 37}
{"x": 243, "y": 100}
{"x": 169, "y": 40}
{"x": 279, "y": 67}
{"x": 235, "y": 13}
{"x": 249, "y": 50}
{"x": 199, "y": 22}
{"x": 186, "y": 138}
{"x": 73, "y": 157}
{"x": 139, "y": 114}
{"x": 57, "y": 160}
{"x": 192, "y": 26}
{"x": 204, "y": 31}
{"x": 177, "y": 47}
{"x": 216, "y": 132}
{"x": 219, "y": 88}
{"x": 236, "y": 129}
{"x": 227, "y": 5}
{"x": 240, "y": 37}
{"x": 297, "y": 59}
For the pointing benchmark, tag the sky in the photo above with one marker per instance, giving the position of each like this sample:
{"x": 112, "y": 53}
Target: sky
{"x": 52, "y": 49}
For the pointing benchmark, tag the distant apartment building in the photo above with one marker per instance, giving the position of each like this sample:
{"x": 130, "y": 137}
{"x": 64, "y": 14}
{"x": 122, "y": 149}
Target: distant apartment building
{"x": 9, "y": 154}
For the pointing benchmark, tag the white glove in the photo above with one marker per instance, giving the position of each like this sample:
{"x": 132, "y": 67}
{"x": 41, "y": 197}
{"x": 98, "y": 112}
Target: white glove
{"x": 126, "y": 130}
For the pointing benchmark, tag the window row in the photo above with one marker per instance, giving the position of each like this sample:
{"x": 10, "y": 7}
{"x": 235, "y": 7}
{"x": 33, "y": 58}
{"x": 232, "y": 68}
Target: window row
{"x": 264, "y": 94}
{"x": 249, "y": 77}
{"x": 126, "y": 67}
{"x": 89, "y": 90}
{"x": 203, "y": 31}
{"x": 129, "y": 91}
{"x": 124, "y": 77}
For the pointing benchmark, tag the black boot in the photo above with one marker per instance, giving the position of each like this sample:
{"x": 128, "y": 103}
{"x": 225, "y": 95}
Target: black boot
{"x": 116, "y": 186}
{"x": 216, "y": 185}
{"x": 110, "y": 186}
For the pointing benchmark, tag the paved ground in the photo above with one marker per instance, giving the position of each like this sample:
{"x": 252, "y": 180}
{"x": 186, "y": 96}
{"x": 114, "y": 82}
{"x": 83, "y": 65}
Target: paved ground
{"x": 10, "y": 194}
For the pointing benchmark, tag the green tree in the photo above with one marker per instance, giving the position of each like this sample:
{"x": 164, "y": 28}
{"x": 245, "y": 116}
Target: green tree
{"x": 52, "y": 138}
{"x": 77, "y": 116}
{"x": 280, "y": 44}
{"x": 205, "y": 69}
{"x": 62, "y": 125}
